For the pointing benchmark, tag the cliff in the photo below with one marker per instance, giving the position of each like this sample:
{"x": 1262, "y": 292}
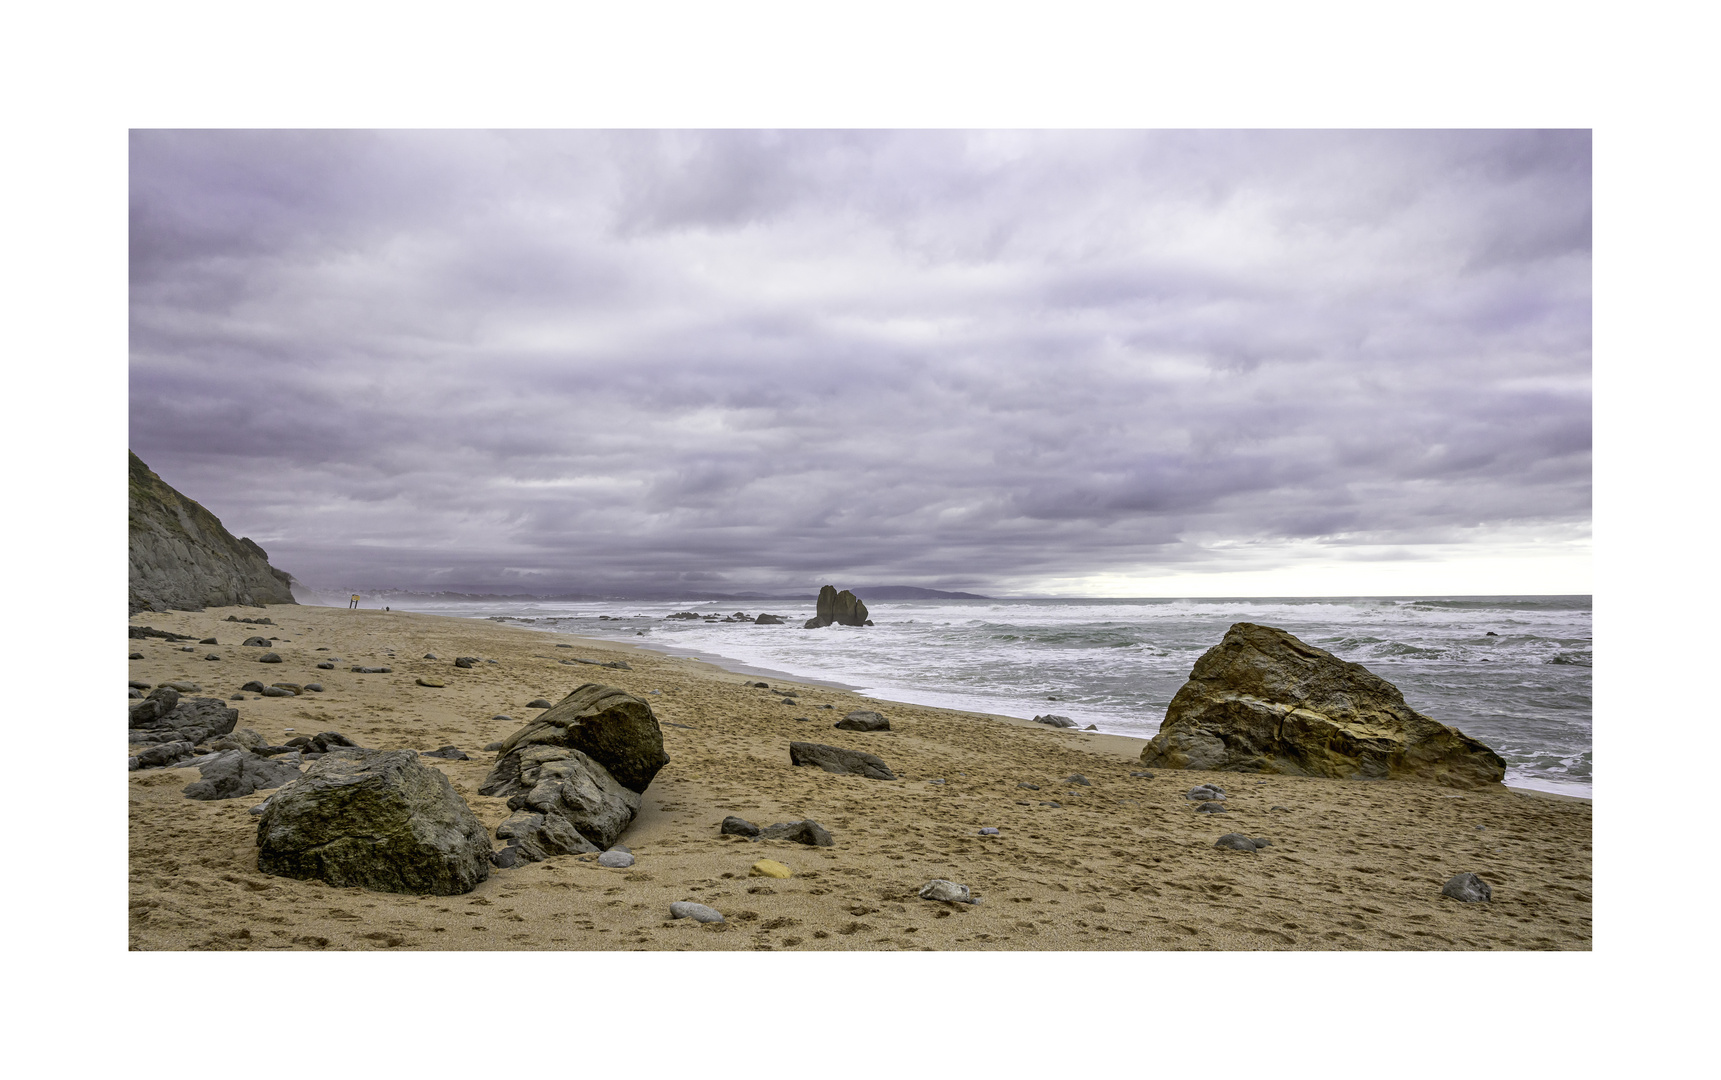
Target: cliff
{"x": 182, "y": 559}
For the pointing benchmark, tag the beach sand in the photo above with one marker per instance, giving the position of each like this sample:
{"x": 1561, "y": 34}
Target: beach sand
{"x": 1123, "y": 864}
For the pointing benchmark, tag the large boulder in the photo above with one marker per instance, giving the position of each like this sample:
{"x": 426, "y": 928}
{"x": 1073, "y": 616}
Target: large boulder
{"x": 1262, "y": 701}
{"x": 576, "y": 795}
{"x": 610, "y": 725}
{"x": 376, "y": 819}
{"x": 837, "y": 607}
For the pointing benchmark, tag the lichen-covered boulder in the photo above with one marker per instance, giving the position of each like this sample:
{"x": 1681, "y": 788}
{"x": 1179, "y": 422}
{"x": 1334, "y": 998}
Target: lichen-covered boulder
{"x": 1262, "y": 701}
{"x": 607, "y": 724}
{"x": 377, "y": 819}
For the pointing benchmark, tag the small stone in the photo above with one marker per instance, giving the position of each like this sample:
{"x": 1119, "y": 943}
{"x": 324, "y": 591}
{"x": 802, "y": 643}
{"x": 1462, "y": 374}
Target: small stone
{"x": 135, "y": 656}
{"x": 539, "y": 703}
{"x": 448, "y": 753}
{"x": 1078, "y": 778}
{"x": 257, "y": 642}
{"x": 430, "y": 656}
{"x": 425, "y": 680}
{"x": 269, "y": 658}
{"x": 801, "y": 832}
{"x": 1030, "y": 787}
{"x": 507, "y": 858}
{"x": 770, "y": 868}
{"x": 277, "y": 691}
{"x": 863, "y": 720}
{"x": 935, "y": 781}
{"x": 1053, "y": 805}
{"x": 948, "y": 891}
{"x": 1235, "y": 842}
{"x": 1091, "y": 727}
{"x": 315, "y": 687}
{"x": 736, "y": 826}
{"x": 1204, "y": 793}
{"x": 1211, "y": 808}
{"x": 687, "y": 909}
{"x": 492, "y": 747}
{"x": 616, "y": 860}
{"x": 989, "y": 831}
{"x": 212, "y": 656}
{"x": 1283, "y": 809}
{"x": 325, "y": 665}
{"x": 1467, "y": 888}
{"x": 1142, "y": 775}
{"x": 1055, "y": 721}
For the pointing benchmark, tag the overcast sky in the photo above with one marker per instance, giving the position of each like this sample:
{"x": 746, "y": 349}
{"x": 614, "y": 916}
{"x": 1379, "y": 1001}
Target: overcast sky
{"x": 1136, "y": 363}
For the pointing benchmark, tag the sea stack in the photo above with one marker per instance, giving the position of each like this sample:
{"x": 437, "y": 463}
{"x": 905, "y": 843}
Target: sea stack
{"x": 183, "y": 560}
{"x": 837, "y": 607}
{"x": 1262, "y": 701}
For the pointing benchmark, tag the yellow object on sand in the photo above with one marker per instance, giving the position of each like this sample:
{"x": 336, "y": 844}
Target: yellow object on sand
{"x": 770, "y": 868}
{"x": 425, "y": 680}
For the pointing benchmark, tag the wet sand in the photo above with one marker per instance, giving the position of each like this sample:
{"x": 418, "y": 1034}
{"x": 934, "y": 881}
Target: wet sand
{"x": 1124, "y": 863}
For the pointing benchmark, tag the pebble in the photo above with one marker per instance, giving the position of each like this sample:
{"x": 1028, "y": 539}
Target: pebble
{"x": 1211, "y": 808}
{"x": 1235, "y": 842}
{"x": 1030, "y": 787}
{"x": 537, "y": 703}
{"x": 770, "y": 868}
{"x": 1204, "y": 792}
{"x": 269, "y": 658}
{"x": 135, "y": 656}
{"x": 492, "y": 747}
{"x": 1143, "y": 775}
{"x": 935, "y": 781}
{"x": 314, "y": 686}
{"x": 425, "y": 680}
{"x": 989, "y": 831}
{"x": 326, "y": 666}
{"x": 276, "y": 691}
{"x": 136, "y": 685}
{"x": 687, "y": 909}
{"x": 1286, "y": 809}
{"x": 737, "y": 826}
{"x": 430, "y": 656}
{"x": 1056, "y": 805}
{"x": 134, "y": 692}
{"x": 615, "y": 860}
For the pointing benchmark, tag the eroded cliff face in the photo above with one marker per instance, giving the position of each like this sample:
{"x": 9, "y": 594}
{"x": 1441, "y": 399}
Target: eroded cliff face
{"x": 182, "y": 559}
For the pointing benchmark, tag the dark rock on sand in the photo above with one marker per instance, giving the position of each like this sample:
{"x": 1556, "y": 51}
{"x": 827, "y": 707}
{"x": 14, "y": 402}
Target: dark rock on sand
{"x": 735, "y": 826}
{"x": 1055, "y": 721}
{"x": 616, "y": 860}
{"x": 863, "y": 720}
{"x": 540, "y": 836}
{"x": 235, "y": 773}
{"x": 269, "y": 658}
{"x": 165, "y": 716}
{"x": 1030, "y": 787}
{"x": 834, "y": 759}
{"x": 1263, "y": 701}
{"x": 1467, "y": 888}
{"x": 257, "y": 642}
{"x": 505, "y": 859}
{"x": 362, "y": 670}
{"x": 325, "y": 665}
{"x": 465, "y": 661}
{"x": 801, "y": 832}
{"x": 448, "y": 753}
{"x": 1142, "y": 775}
{"x": 538, "y": 703}
{"x": 134, "y": 692}
{"x": 376, "y": 819}
{"x": 1078, "y": 779}
{"x": 493, "y": 746}
{"x": 152, "y": 632}
{"x": 1205, "y": 793}
{"x": 255, "y": 686}
{"x": 1235, "y": 842}
{"x": 135, "y": 656}
{"x": 160, "y": 755}
{"x": 277, "y": 691}
{"x": 1211, "y": 808}
{"x": 208, "y": 641}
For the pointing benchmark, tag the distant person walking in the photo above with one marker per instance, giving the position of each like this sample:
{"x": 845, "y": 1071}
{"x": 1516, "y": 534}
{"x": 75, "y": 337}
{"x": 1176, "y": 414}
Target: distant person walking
{"x": 354, "y": 602}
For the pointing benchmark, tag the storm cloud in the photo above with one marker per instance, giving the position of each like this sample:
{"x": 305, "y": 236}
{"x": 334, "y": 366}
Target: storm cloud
{"x": 551, "y": 361}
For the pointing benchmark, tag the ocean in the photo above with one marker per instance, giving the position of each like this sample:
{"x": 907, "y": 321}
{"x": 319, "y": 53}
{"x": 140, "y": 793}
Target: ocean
{"x": 1512, "y": 671}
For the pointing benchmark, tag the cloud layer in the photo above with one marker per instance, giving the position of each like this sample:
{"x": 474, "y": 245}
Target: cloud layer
{"x": 730, "y": 360}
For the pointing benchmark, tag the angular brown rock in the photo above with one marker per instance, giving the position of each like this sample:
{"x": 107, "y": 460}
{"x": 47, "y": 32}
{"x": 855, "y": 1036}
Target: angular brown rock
{"x": 1263, "y": 701}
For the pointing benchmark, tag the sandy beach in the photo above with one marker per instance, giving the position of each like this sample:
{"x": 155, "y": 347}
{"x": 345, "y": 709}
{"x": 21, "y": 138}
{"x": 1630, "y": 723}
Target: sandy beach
{"x": 1123, "y": 863}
